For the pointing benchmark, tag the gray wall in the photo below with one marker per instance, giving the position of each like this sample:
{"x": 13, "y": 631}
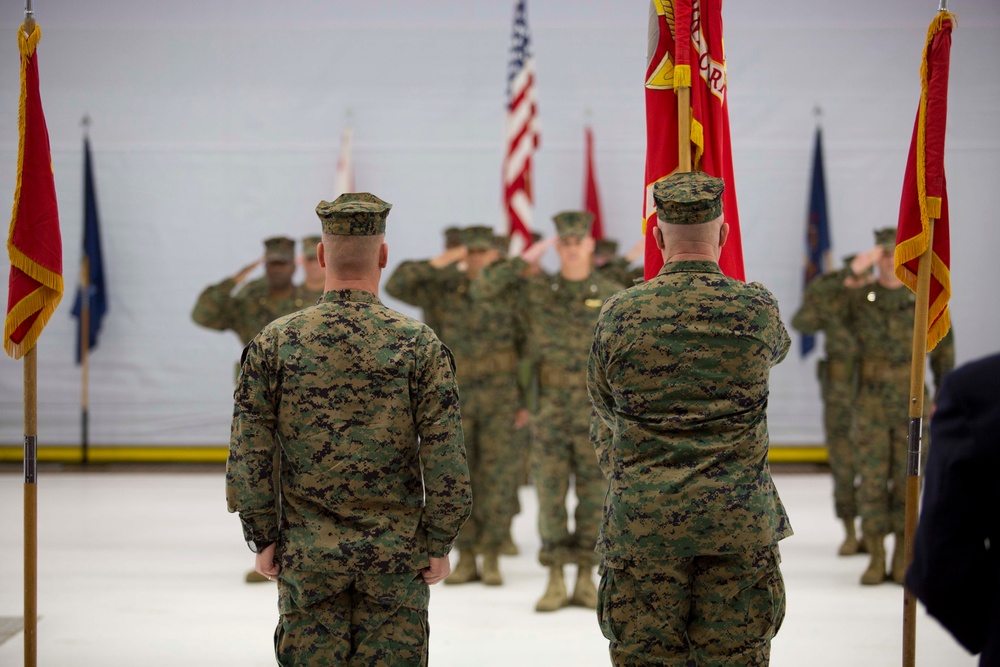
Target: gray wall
{"x": 217, "y": 123}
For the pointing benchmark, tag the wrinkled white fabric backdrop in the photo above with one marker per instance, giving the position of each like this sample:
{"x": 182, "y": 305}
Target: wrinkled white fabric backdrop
{"x": 217, "y": 124}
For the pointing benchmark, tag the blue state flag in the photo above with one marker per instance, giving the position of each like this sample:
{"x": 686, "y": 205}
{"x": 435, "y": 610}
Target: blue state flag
{"x": 92, "y": 263}
{"x": 817, "y": 230}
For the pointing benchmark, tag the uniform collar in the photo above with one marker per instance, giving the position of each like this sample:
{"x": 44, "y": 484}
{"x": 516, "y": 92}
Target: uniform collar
{"x": 350, "y": 295}
{"x": 690, "y": 266}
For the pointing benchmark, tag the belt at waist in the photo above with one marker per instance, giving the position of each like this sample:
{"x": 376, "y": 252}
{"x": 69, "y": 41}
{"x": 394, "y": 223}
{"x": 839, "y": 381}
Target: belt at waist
{"x": 882, "y": 370}
{"x": 498, "y": 364}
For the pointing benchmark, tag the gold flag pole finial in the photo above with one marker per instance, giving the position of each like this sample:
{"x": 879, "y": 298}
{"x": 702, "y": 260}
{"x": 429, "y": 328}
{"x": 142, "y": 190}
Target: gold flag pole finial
{"x": 29, "y": 18}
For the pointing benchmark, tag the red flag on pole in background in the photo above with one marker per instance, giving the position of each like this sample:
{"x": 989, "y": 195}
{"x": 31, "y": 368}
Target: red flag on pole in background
{"x": 591, "y": 197}
{"x": 669, "y": 64}
{"x": 34, "y": 243}
{"x": 522, "y": 132}
{"x": 925, "y": 193}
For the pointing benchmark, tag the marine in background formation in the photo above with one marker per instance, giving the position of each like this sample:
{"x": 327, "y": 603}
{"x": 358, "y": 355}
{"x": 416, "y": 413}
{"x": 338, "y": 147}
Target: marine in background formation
{"x": 487, "y": 339}
{"x": 609, "y": 264}
{"x": 312, "y": 286}
{"x": 360, "y": 405}
{"x": 258, "y": 302}
{"x": 560, "y": 312}
{"x": 679, "y": 374}
{"x": 826, "y": 307}
{"x": 882, "y": 318}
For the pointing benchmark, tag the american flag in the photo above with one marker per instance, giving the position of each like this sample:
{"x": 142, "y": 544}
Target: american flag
{"x": 522, "y": 131}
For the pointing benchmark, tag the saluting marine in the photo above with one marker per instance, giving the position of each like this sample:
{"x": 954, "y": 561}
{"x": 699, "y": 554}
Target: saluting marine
{"x": 487, "y": 339}
{"x": 259, "y": 301}
{"x": 882, "y": 319}
{"x": 559, "y": 313}
{"x": 825, "y": 307}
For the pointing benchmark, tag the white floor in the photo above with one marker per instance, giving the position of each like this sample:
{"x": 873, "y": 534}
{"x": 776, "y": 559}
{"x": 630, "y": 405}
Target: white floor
{"x": 147, "y": 569}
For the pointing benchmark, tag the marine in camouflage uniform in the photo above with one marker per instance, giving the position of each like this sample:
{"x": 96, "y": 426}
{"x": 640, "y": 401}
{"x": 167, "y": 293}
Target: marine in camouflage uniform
{"x": 825, "y": 307}
{"x": 679, "y": 375}
{"x": 362, "y": 405}
{"x": 560, "y": 312}
{"x": 486, "y": 338}
{"x": 259, "y": 301}
{"x": 313, "y": 286}
{"x": 882, "y": 318}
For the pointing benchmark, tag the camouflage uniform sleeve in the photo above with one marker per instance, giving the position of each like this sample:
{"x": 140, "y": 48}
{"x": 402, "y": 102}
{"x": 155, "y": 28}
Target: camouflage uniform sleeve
{"x": 773, "y": 331}
{"x": 943, "y": 358}
{"x": 411, "y": 283}
{"x": 447, "y": 487}
{"x": 602, "y": 419}
{"x": 215, "y": 307}
{"x": 252, "y": 444}
{"x": 809, "y": 318}
{"x": 498, "y": 277}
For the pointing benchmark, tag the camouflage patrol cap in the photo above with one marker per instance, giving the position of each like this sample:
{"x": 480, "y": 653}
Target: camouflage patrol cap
{"x": 354, "y": 214}
{"x": 452, "y": 237}
{"x": 607, "y": 247}
{"x": 279, "y": 249}
{"x": 688, "y": 198}
{"x": 573, "y": 223}
{"x": 886, "y": 237}
{"x": 478, "y": 237}
{"x": 309, "y": 244}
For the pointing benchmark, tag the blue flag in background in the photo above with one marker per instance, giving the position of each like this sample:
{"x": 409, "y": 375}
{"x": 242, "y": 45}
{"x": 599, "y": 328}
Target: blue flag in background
{"x": 817, "y": 229}
{"x": 96, "y": 294}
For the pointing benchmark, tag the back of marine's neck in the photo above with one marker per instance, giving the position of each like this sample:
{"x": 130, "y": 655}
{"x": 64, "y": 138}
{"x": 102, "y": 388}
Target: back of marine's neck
{"x": 368, "y": 284}
{"x": 689, "y": 257}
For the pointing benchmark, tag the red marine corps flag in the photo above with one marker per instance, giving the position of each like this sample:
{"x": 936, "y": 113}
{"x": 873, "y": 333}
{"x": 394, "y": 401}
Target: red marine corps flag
{"x": 522, "y": 133}
{"x": 924, "y": 190}
{"x": 685, "y": 54}
{"x": 34, "y": 242}
{"x": 591, "y": 197}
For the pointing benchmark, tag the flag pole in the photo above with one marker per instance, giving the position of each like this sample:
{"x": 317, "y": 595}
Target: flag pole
{"x": 30, "y": 507}
{"x": 85, "y": 341}
{"x": 30, "y": 474}
{"x": 84, "y": 358}
{"x": 683, "y": 128}
{"x": 918, "y": 363}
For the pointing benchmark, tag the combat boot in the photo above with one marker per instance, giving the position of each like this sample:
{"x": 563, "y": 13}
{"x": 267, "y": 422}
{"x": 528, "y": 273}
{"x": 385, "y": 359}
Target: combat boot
{"x": 509, "y": 548}
{"x": 898, "y": 572}
{"x": 851, "y": 545}
{"x": 555, "y": 592}
{"x": 584, "y": 592}
{"x": 491, "y": 569}
{"x": 875, "y": 574}
{"x": 465, "y": 571}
